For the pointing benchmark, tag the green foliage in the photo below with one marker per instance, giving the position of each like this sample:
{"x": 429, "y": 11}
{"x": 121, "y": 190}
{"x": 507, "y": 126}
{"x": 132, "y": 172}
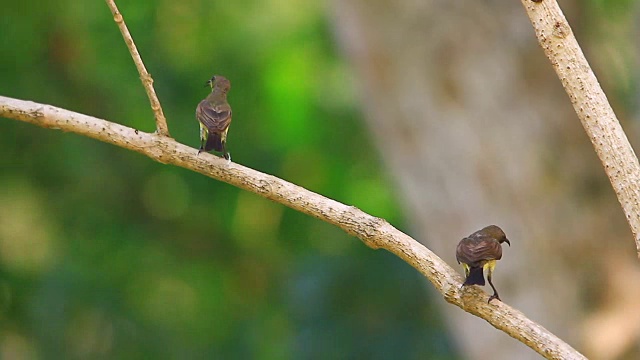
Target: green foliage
{"x": 612, "y": 27}
{"x": 106, "y": 254}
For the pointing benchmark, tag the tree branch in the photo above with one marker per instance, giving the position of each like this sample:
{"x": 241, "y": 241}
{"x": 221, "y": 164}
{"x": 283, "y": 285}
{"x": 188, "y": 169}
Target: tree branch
{"x": 145, "y": 77}
{"x": 374, "y": 232}
{"x": 590, "y": 103}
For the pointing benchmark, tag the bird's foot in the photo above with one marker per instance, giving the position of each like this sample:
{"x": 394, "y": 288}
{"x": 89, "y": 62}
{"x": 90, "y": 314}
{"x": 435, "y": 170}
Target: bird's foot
{"x": 494, "y": 296}
{"x": 228, "y": 157}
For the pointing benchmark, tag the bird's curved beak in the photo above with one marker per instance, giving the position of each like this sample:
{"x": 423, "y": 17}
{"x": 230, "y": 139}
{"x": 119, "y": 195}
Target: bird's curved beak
{"x": 210, "y": 82}
{"x": 507, "y": 241}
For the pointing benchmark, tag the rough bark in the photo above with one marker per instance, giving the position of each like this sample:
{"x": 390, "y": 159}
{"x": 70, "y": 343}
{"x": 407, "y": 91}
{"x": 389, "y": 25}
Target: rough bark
{"x": 476, "y": 130}
{"x": 618, "y": 159}
{"x": 374, "y": 232}
{"x": 145, "y": 77}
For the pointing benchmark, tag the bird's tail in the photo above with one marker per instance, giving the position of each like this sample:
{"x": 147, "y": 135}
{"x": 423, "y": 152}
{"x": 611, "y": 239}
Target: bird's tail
{"x": 476, "y": 277}
{"x": 214, "y": 142}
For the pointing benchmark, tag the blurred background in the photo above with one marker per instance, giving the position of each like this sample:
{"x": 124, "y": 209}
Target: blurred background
{"x": 441, "y": 117}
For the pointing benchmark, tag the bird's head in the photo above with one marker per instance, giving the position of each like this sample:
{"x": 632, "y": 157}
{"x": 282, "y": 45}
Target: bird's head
{"x": 496, "y": 233}
{"x": 219, "y": 82}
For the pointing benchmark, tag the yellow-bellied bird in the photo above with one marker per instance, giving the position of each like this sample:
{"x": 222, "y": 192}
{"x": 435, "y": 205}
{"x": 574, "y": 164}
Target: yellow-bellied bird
{"x": 214, "y": 116}
{"x": 479, "y": 252}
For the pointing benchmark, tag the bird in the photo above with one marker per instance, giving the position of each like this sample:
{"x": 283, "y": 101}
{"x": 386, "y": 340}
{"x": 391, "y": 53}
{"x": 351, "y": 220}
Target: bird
{"x": 479, "y": 252}
{"x": 214, "y": 115}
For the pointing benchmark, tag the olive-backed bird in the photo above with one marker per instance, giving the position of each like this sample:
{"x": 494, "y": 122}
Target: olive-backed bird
{"x": 479, "y": 252}
{"x": 214, "y": 116}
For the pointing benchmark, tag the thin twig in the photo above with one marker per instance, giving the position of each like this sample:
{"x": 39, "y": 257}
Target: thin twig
{"x": 145, "y": 77}
{"x": 590, "y": 103}
{"x": 374, "y": 232}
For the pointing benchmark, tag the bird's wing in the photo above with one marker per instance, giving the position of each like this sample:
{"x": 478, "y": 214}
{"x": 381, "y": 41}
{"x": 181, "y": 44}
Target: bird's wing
{"x": 490, "y": 247}
{"x": 463, "y": 252}
{"x": 215, "y": 118}
{"x": 474, "y": 250}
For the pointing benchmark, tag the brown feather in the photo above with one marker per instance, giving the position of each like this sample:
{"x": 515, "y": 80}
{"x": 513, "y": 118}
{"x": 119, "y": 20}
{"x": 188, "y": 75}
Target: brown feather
{"x": 215, "y": 118}
{"x": 475, "y": 251}
{"x": 478, "y": 252}
{"x": 481, "y": 246}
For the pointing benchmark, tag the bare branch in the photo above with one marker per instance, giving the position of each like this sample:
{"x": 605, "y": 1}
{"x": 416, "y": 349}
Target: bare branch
{"x": 145, "y": 77}
{"x": 590, "y": 103}
{"x": 374, "y": 232}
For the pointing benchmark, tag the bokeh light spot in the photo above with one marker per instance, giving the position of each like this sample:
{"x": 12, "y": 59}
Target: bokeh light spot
{"x": 27, "y": 240}
{"x": 166, "y": 195}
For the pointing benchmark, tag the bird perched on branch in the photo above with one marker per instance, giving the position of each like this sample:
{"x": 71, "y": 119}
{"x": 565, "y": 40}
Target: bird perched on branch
{"x": 479, "y": 252}
{"x": 214, "y": 116}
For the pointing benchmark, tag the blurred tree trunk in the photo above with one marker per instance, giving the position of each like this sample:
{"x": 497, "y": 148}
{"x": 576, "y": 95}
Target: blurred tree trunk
{"x": 476, "y": 130}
